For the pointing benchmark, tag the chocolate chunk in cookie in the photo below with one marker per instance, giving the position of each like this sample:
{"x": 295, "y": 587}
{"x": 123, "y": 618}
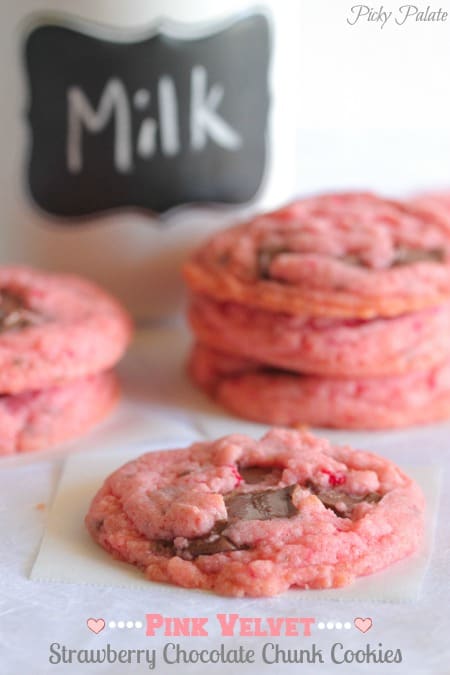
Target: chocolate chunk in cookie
{"x": 407, "y": 256}
{"x": 341, "y": 502}
{"x": 265, "y": 257}
{"x": 209, "y": 545}
{"x": 261, "y": 505}
{"x": 403, "y": 255}
{"x": 258, "y": 474}
{"x": 14, "y": 312}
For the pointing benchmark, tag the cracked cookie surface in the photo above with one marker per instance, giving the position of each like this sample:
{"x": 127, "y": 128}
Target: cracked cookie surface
{"x": 244, "y": 517}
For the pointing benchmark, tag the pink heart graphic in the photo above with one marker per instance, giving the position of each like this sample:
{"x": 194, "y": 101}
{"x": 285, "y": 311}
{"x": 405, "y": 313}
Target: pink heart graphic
{"x": 96, "y": 625}
{"x": 363, "y": 624}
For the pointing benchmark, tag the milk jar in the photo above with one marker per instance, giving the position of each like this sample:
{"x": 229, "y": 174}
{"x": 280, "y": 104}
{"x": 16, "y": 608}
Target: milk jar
{"x": 132, "y": 130}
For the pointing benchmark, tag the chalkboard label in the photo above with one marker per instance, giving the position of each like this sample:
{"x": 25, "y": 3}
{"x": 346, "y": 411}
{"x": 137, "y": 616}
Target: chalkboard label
{"x": 152, "y": 123}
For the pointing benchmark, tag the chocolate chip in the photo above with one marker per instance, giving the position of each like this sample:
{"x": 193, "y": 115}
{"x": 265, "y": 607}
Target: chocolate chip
{"x": 213, "y": 543}
{"x": 402, "y": 256}
{"x": 352, "y": 259}
{"x": 14, "y": 314}
{"x": 265, "y": 257}
{"x": 406, "y": 256}
{"x": 163, "y": 547}
{"x": 261, "y": 505}
{"x": 257, "y": 474}
{"x": 341, "y": 502}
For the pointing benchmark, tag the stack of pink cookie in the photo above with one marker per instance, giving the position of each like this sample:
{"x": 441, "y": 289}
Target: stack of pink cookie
{"x": 59, "y": 338}
{"x": 333, "y": 311}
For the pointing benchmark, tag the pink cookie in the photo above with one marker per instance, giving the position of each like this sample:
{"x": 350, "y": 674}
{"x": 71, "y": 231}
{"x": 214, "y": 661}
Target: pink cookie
{"x": 272, "y": 396}
{"x": 54, "y": 328}
{"x": 254, "y": 518}
{"x": 344, "y": 255}
{"x": 39, "y": 419}
{"x": 322, "y": 346}
{"x": 435, "y": 205}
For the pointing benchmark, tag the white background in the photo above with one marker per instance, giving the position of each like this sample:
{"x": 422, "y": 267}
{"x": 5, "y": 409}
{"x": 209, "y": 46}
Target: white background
{"x": 373, "y": 103}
